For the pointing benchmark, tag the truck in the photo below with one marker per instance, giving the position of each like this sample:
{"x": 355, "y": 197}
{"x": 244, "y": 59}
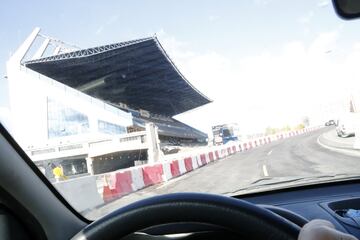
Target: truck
{"x": 224, "y": 133}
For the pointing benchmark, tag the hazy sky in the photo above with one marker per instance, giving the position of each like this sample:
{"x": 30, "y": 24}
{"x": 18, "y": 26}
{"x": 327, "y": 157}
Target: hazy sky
{"x": 262, "y": 62}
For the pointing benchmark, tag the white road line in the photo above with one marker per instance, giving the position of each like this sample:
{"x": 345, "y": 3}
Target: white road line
{"x": 269, "y": 152}
{"x": 266, "y": 174}
{"x": 349, "y": 152}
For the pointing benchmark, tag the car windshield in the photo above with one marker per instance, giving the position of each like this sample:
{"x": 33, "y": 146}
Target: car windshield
{"x": 119, "y": 101}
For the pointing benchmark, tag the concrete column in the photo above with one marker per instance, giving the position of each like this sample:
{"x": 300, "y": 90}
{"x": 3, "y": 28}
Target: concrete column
{"x": 24, "y": 48}
{"x": 89, "y": 165}
{"x": 152, "y": 138}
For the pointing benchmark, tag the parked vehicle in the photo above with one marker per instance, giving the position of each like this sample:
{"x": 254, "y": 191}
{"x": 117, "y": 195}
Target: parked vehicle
{"x": 330, "y": 123}
{"x": 346, "y": 125}
{"x": 224, "y": 133}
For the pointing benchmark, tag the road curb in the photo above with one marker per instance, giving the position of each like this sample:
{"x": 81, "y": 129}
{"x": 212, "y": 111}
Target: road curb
{"x": 346, "y": 151}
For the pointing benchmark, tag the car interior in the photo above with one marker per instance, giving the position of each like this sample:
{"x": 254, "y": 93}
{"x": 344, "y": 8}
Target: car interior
{"x": 31, "y": 207}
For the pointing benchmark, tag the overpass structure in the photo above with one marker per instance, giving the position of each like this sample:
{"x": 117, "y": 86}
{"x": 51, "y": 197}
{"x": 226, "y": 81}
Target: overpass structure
{"x": 97, "y": 109}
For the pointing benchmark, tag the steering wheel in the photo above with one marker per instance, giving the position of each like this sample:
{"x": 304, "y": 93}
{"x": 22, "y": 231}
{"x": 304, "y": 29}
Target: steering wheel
{"x": 239, "y": 217}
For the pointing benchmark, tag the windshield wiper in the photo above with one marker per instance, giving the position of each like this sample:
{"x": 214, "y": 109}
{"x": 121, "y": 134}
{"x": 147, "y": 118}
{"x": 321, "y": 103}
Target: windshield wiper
{"x": 268, "y": 182}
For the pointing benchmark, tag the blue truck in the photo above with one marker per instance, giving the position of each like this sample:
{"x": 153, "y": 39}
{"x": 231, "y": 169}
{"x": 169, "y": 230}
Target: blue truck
{"x": 224, "y": 133}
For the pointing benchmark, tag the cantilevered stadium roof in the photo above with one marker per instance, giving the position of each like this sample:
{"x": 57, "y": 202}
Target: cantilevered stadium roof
{"x": 138, "y": 73}
{"x": 171, "y": 128}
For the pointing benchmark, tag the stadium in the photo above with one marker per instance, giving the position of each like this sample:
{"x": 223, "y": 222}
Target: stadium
{"x": 102, "y": 108}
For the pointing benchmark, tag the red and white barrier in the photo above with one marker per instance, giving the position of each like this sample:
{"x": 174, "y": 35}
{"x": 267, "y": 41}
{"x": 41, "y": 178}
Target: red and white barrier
{"x": 167, "y": 174}
{"x": 211, "y": 156}
{"x": 120, "y": 183}
{"x": 137, "y": 178}
{"x": 153, "y": 174}
{"x": 188, "y": 164}
{"x": 194, "y": 162}
{"x": 175, "y": 168}
{"x": 182, "y": 167}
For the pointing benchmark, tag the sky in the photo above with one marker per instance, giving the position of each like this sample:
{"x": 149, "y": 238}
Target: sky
{"x": 264, "y": 63}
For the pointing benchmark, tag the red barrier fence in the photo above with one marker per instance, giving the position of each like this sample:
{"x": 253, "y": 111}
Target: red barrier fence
{"x": 117, "y": 184}
{"x": 174, "y": 167}
{"x": 211, "y": 156}
{"x": 188, "y": 164}
{"x": 203, "y": 159}
{"x": 152, "y": 174}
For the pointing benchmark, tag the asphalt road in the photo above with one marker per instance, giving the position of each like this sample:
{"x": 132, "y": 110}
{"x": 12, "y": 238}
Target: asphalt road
{"x": 296, "y": 156}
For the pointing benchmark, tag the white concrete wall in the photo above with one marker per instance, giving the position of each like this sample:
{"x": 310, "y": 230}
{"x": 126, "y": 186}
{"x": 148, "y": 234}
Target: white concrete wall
{"x": 28, "y": 93}
{"x": 81, "y": 193}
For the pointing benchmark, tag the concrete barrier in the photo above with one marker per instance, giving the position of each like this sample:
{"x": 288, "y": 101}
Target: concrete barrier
{"x": 233, "y": 149}
{"x": 203, "y": 159}
{"x": 174, "y": 167}
{"x": 228, "y": 149}
{"x": 188, "y": 164}
{"x": 211, "y": 156}
{"x": 194, "y": 161}
{"x": 167, "y": 174}
{"x": 137, "y": 178}
{"x": 245, "y": 146}
{"x": 182, "y": 166}
{"x": 198, "y": 160}
{"x": 153, "y": 174}
{"x": 123, "y": 184}
{"x": 217, "y": 156}
{"x": 117, "y": 184}
{"x": 109, "y": 192}
{"x": 81, "y": 192}
{"x": 224, "y": 153}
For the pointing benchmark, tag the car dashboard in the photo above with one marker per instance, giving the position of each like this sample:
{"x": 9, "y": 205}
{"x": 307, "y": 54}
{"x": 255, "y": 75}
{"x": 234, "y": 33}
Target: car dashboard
{"x": 325, "y": 201}
{"x": 320, "y": 201}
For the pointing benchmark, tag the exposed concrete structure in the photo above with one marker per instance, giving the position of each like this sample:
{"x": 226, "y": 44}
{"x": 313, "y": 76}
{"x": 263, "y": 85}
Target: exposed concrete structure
{"x": 84, "y": 127}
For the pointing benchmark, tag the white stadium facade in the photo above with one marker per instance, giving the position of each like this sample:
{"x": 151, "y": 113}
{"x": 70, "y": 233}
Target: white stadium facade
{"x": 98, "y": 109}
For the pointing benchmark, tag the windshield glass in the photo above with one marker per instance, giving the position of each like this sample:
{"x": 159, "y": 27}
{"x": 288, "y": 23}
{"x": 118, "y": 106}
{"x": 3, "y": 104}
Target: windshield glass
{"x": 116, "y": 102}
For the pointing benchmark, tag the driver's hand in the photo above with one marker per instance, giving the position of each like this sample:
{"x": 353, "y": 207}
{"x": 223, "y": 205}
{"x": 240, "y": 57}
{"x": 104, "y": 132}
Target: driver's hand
{"x": 322, "y": 230}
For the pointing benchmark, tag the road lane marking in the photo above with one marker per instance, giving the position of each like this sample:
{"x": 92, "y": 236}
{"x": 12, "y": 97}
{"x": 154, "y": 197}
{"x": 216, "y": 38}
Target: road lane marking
{"x": 266, "y": 174}
{"x": 349, "y": 152}
{"x": 269, "y": 152}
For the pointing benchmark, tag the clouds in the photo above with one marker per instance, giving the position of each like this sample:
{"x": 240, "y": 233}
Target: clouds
{"x": 324, "y": 42}
{"x": 267, "y": 88}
